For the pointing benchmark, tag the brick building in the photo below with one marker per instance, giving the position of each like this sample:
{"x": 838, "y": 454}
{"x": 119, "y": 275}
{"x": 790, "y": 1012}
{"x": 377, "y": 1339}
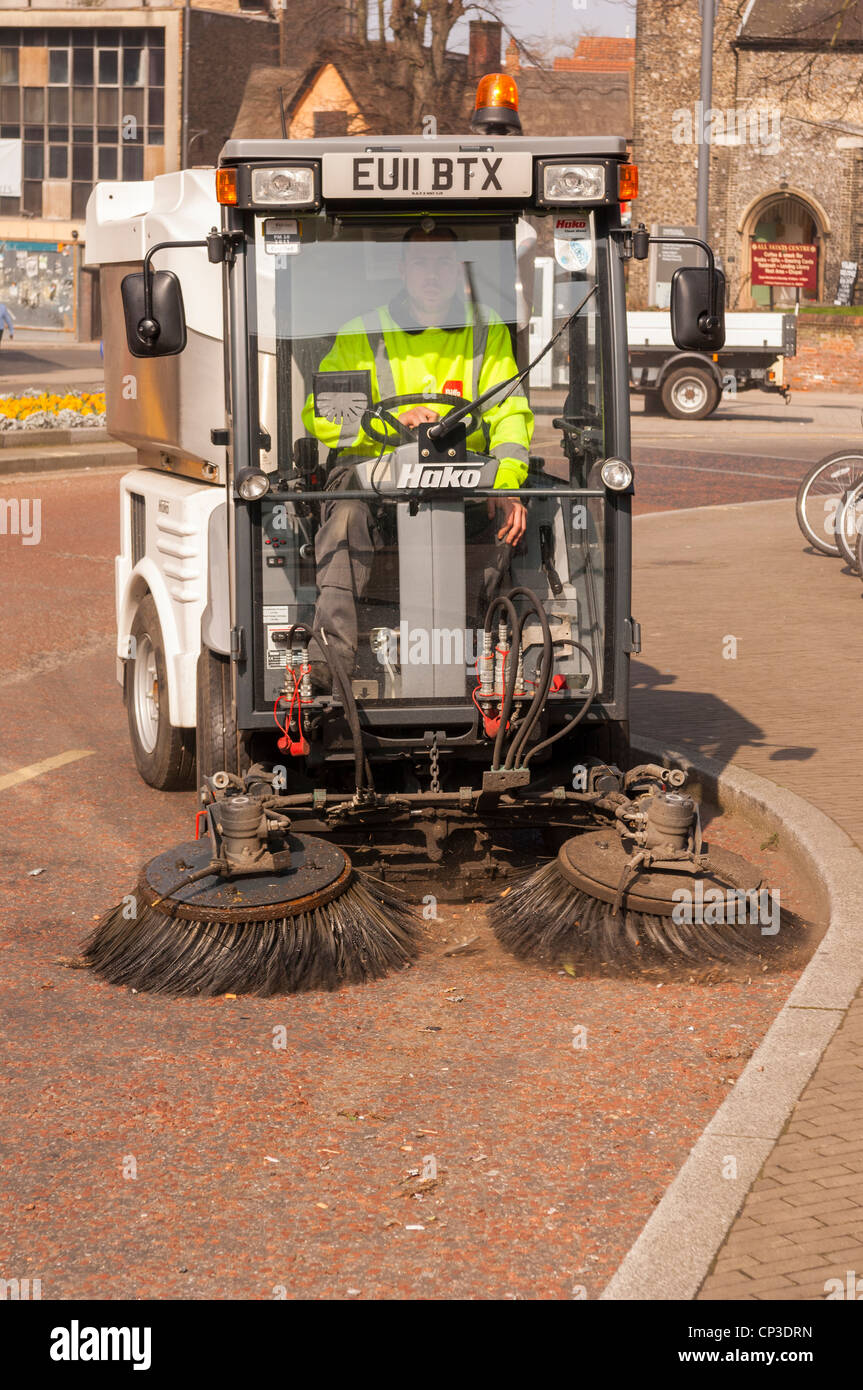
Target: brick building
{"x": 95, "y": 92}
{"x": 784, "y": 135}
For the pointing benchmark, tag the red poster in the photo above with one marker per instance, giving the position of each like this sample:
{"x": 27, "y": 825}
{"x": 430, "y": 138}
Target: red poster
{"x": 783, "y": 263}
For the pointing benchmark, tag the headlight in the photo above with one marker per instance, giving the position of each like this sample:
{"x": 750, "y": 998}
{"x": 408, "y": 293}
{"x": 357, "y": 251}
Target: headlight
{"x": 291, "y": 186}
{"x": 252, "y": 483}
{"x": 573, "y": 183}
{"x": 616, "y": 475}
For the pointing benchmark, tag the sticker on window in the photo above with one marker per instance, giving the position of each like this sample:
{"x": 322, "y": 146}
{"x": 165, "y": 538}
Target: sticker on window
{"x": 342, "y": 397}
{"x": 282, "y": 236}
{"x": 573, "y": 243}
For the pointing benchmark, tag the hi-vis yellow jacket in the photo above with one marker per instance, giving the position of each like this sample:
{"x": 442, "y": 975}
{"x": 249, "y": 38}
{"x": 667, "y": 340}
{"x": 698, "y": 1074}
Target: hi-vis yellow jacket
{"x": 459, "y": 362}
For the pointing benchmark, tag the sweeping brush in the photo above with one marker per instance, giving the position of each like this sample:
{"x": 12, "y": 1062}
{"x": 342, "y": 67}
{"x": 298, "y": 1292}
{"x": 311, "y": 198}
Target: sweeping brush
{"x": 317, "y": 926}
{"x": 572, "y": 910}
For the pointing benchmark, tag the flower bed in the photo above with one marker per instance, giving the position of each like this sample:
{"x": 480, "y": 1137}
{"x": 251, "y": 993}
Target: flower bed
{"x": 33, "y": 410}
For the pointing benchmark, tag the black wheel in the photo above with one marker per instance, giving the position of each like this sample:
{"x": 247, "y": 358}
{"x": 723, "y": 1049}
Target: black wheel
{"x": 859, "y": 556}
{"x": 821, "y": 497}
{"x": 850, "y": 520}
{"x": 219, "y": 747}
{"x": 164, "y": 756}
{"x": 690, "y": 393}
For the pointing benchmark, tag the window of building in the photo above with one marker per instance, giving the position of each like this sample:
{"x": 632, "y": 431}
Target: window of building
{"x": 82, "y": 106}
{"x": 9, "y": 67}
{"x": 82, "y": 161}
{"x": 82, "y": 67}
{"x": 330, "y": 123}
{"x": 34, "y": 104}
{"x": 109, "y": 67}
{"x": 80, "y": 193}
{"x": 133, "y": 162}
{"x": 58, "y": 105}
{"x": 134, "y": 67}
{"x": 33, "y": 162}
{"x": 31, "y": 197}
{"x": 102, "y": 105}
{"x": 108, "y": 163}
{"x": 58, "y": 66}
{"x": 58, "y": 161}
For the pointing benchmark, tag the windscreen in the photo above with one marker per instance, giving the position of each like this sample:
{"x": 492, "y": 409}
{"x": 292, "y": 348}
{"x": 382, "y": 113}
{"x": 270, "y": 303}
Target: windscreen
{"x": 366, "y": 329}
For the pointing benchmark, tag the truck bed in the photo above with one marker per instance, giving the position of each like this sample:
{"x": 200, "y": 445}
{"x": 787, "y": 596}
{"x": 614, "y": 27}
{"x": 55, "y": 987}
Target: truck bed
{"x": 769, "y": 332}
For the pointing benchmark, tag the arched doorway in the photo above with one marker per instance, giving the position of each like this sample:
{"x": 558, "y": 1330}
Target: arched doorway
{"x": 784, "y": 218}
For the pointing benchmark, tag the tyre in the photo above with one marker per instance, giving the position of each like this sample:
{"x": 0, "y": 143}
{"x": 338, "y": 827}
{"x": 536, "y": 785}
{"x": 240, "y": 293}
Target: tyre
{"x": 219, "y": 747}
{"x": 690, "y": 393}
{"x": 859, "y": 556}
{"x": 164, "y": 756}
{"x": 850, "y": 525}
{"x": 820, "y": 498}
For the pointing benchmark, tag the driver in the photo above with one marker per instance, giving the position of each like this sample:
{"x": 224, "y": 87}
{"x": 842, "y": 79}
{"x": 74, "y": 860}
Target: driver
{"x": 407, "y": 352}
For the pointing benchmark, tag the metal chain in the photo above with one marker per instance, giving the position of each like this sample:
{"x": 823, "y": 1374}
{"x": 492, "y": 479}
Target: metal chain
{"x": 433, "y": 764}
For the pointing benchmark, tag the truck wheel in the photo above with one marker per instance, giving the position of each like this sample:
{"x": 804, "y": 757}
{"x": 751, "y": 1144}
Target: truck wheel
{"x": 690, "y": 393}
{"x": 219, "y": 749}
{"x": 164, "y": 756}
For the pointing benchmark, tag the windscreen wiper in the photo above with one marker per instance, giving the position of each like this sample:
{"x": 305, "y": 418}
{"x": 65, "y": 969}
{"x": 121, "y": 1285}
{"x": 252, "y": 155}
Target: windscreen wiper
{"x": 455, "y": 417}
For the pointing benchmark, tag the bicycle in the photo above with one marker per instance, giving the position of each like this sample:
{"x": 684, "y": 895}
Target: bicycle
{"x": 850, "y": 526}
{"x": 822, "y": 499}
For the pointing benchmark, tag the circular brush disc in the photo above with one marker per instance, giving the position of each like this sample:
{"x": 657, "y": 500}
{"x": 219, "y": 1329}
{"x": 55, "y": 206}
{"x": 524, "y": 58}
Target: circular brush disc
{"x": 594, "y": 862}
{"x": 315, "y": 925}
{"x": 319, "y": 872}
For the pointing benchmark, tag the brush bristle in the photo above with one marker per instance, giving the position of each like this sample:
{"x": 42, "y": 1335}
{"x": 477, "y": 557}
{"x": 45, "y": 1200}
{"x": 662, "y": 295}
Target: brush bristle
{"x": 545, "y": 918}
{"x": 362, "y": 935}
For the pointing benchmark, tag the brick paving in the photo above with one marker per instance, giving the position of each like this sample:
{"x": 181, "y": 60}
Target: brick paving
{"x": 782, "y": 707}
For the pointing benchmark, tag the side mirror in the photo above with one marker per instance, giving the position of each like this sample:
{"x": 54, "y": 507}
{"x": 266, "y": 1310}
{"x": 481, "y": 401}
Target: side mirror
{"x": 698, "y": 309}
{"x": 157, "y": 329}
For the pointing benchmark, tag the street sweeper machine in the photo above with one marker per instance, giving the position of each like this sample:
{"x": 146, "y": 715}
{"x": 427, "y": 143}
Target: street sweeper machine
{"x": 370, "y": 593}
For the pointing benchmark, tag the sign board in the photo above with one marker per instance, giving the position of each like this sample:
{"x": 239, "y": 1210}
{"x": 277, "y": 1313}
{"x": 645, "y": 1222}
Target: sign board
{"x": 785, "y": 263}
{"x": 847, "y": 281}
{"x": 664, "y": 260}
{"x": 394, "y": 175}
{"x": 10, "y": 168}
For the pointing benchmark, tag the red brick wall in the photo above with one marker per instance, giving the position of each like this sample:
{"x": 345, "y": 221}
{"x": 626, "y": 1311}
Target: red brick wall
{"x": 829, "y": 354}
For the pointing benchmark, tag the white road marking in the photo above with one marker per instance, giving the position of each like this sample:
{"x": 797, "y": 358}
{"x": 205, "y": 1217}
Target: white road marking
{"x": 729, "y": 473}
{"x": 24, "y": 774}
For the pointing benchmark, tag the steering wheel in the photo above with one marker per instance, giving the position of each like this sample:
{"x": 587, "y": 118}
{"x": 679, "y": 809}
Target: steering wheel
{"x": 382, "y": 414}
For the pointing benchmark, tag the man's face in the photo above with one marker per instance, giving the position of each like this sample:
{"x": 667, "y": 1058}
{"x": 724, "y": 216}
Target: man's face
{"x": 430, "y": 271}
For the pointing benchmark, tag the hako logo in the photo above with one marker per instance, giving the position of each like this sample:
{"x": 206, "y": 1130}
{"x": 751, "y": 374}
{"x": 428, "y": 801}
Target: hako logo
{"x": 416, "y": 475}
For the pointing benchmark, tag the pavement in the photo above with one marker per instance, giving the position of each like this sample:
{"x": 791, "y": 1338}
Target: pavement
{"x": 751, "y": 658}
{"x": 302, "y": 1166}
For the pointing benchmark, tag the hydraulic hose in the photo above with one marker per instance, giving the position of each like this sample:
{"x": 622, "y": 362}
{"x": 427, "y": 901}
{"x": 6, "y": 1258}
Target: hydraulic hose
{"x": 362, "y": 769}
{"x": 540, "y": 695}
{"x": 577, "y": 718}
{"x": 504, "y": 601}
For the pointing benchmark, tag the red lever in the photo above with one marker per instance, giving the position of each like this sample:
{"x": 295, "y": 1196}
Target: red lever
{"x": 298, "y": 748}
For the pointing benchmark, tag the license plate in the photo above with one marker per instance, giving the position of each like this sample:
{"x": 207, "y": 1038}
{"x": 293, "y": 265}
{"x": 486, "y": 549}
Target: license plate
{"x": 383, "y": 175}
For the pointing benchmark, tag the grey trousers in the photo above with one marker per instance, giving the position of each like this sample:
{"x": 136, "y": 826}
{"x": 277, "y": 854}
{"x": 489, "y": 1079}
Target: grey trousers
{"x": 345, "y": 546}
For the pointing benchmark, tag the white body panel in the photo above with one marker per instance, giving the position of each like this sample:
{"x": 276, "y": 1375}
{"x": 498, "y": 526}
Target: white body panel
{"x": 125, "y": 219}
{"x": 652, "y": 328}
{"x": 173, "y": 568}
